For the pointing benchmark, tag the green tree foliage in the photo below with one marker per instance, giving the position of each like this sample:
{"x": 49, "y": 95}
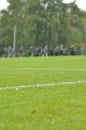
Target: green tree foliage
{"x": 41, "y": 22}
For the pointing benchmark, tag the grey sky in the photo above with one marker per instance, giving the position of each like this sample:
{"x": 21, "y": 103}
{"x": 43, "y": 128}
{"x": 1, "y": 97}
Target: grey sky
{"x": 80, "y": 3}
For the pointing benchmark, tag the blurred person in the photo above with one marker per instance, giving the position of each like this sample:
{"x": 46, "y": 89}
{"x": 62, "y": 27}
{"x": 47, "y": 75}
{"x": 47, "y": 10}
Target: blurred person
{"x": 82, "y": 51}
{"x": 56, "y": 50}
{"x": 21, "y": 51}
{"x": 9, "y": 51}
{"x": 72, "y": 50}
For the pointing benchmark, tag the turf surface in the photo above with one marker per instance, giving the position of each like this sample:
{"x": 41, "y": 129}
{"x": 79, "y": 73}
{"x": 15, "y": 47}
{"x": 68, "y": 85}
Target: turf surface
{"x": 57, "y": 107}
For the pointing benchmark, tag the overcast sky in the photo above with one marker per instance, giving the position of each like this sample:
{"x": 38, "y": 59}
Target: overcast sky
{"x": 80, "y": 3}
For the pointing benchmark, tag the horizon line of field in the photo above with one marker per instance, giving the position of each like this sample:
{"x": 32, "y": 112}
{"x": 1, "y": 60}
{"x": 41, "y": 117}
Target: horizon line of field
{"x": 44, "y": 85}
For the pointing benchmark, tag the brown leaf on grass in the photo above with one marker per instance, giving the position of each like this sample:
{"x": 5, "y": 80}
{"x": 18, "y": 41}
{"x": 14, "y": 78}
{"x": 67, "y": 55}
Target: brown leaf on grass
{"x": 33, "y": 112}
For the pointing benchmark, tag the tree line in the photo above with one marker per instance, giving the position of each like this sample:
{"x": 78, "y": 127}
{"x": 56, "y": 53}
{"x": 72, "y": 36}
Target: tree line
{"x": 42, "y": 22}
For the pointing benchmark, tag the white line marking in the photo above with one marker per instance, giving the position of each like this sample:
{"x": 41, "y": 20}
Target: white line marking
{"x": 66, "y": 69}
{"x": 44, "y": 85}
{"x": 44, "y": 69}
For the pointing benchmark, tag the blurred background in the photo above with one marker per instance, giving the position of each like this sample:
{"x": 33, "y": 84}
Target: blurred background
{"x": 32, "y": 25}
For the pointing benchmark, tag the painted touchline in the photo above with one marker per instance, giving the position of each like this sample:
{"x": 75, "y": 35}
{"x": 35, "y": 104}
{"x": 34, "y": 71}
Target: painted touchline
{"x": 43, "y": 85}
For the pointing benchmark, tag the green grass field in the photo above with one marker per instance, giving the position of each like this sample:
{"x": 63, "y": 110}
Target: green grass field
{"x": 43, "y": 93}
